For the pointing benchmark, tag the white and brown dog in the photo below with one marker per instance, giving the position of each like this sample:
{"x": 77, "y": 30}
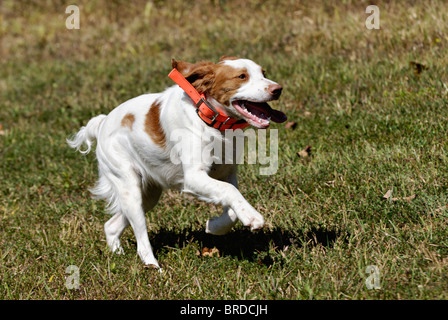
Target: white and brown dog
{"x": 134, "y": 149}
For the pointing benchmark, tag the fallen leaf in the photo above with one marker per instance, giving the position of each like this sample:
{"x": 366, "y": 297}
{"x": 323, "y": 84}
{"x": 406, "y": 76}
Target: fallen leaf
{"x": 291, "y": 125}
{"x": 215, "y": 251}
{"x": 206, "y": 252}
{"x": 417, "y": 67}
{"x": 305, "y": 152}
{"x": 410, "y": 198}
{"x": 388, "y": 194}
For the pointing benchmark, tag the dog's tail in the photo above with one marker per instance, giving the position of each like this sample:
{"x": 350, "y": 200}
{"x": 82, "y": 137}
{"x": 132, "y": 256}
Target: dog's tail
{"x": 86, "y": 135}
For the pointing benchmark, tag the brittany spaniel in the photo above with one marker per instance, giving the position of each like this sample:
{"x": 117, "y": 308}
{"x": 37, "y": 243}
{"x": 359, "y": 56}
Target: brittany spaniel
{"x": 135, "y": 149}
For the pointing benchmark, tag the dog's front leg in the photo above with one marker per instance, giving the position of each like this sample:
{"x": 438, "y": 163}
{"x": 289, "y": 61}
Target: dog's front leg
{"x": 222, "y": 224}
{"x": 227, "y": 220}
{"x": 199, "y": 183}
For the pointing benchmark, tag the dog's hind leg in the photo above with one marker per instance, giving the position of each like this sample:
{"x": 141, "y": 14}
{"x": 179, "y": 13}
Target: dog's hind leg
{"x": 130, "y": 204}
{"x": 134, "y": 206}
{"x": 113, "y": 229}
{"x": 115, "y": 226}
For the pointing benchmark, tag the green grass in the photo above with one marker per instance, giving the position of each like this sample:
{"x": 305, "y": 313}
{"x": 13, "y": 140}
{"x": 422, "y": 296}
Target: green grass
{"x": 373, "y": 125}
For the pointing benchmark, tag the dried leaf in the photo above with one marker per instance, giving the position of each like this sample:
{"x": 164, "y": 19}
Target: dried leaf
{"x": 405, "y": 198}
{"x": 215, "y": 251}
{"x": 291, "y": 125}
{"x": 388, "y": 194}
{"x": 206, "y": 252}
{"x": 305, "y": 152}
{"x": 417, "y": 67}
{"x": 410, "y": 198}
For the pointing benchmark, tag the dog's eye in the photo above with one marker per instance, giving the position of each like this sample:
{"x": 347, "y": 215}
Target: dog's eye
{"x": 264, "y": 73}
{"x": 242, "y": 76}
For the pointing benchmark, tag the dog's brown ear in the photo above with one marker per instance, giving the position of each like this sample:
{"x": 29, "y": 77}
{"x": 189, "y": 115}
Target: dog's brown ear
{"x": 182, "y": 66}
{"x": 200, "y": 74}
{"x": 228, "y": 58}
{"x": 173, "y": 63}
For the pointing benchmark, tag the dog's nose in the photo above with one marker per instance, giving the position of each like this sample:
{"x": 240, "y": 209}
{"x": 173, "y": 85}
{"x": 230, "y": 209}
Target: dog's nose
{"x": 275, "y": 90}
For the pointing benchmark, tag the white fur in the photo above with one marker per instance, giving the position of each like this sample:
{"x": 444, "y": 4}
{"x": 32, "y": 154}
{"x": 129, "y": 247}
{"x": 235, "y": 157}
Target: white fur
{"x": 133, "y": 170}
{"x": 254, "y": 89}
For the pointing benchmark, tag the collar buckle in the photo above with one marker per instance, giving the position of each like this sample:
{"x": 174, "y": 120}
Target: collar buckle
{"x": 198, "y": 109}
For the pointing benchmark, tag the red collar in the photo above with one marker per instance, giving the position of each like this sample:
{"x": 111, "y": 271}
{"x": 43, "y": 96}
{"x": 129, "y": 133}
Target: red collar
{"x": 204, "y": 109}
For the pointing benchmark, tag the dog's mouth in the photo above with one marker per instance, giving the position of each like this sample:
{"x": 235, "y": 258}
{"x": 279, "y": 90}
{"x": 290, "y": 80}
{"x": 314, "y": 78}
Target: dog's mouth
{"x": 258, "y": 114}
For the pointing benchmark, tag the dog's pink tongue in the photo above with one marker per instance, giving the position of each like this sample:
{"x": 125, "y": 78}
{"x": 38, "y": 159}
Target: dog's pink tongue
{"x": 265, "y": 109}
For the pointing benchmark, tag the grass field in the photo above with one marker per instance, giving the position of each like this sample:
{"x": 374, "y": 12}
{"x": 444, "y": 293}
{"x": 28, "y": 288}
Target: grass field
{"x": 372, "y": 104}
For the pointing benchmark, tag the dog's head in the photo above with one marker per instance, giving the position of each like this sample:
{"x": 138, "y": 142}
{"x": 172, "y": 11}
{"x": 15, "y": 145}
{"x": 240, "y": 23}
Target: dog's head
{"x": 237, "y": 87}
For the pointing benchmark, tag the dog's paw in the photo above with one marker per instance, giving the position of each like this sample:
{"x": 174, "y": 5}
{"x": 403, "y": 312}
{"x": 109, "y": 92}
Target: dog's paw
{"x": 256, "y": 223}
{"x": 115, "y": 247}
{"x": 148, "y": 258}
{"x": 253, "y": 220}
{"x": 220, "y": 225}
{"x": 213, "y": 227}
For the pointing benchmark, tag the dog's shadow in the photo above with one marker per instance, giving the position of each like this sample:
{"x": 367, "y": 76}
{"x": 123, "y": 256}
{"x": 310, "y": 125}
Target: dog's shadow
{"x": 242, "y": 243}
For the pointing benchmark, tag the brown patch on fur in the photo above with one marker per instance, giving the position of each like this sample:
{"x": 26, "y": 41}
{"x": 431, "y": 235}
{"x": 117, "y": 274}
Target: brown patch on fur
{"x": 226, "y": 83}
{"x": 200, "y": 74}
{"x": 153, "y": 126}
{"x": 128, "y": 120}
{"x": 228, "y": 58}
{"x": 218, "y": 80}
